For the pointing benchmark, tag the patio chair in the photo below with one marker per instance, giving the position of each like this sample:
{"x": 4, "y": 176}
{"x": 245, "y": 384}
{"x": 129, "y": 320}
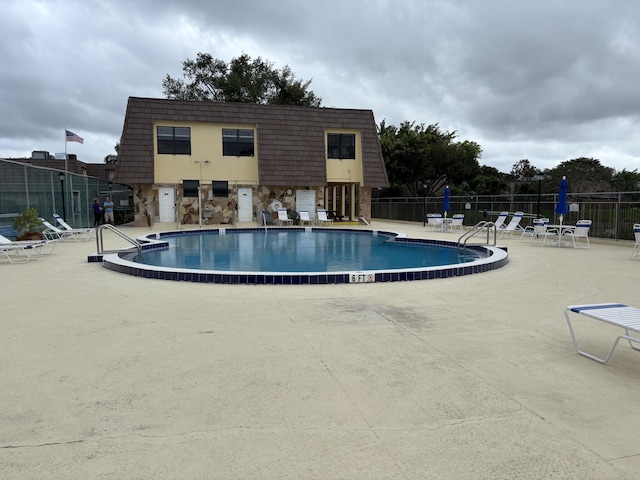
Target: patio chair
{"x": 435, "y": 221}
{"x": 512, "y": 226}
{"x": 89, "y": 232}
{"x": 45, "y": 247}
{"x": 581, "y": 230}
{"x": 530, "y": 230}
{"x": 283, "y": 218}
{"x": 322, "y": 218}
{"x": 636, "y": 247}
{"x": 539, "y": 229}
{"x": 265, "y": 216}
{"x": 304, "y": 218}
{"x": 456, "y": 222}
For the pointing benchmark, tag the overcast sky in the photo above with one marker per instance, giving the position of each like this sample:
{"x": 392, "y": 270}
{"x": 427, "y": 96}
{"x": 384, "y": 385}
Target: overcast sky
{"x": 548, "y": 81}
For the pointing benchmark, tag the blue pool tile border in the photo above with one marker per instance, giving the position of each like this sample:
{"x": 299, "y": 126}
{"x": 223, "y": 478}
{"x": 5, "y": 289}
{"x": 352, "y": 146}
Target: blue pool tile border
{"x": 493, "y": 258}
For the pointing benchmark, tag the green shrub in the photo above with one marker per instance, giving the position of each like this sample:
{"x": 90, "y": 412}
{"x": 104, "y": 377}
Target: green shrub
{"x": 27, "y": 222}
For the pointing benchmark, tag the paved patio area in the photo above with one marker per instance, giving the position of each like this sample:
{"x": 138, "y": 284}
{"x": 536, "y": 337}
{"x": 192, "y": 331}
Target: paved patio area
{"x": 108, "y": 376}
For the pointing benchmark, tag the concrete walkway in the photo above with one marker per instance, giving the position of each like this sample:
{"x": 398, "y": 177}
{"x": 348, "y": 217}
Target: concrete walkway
{"x": 108, "y": 376}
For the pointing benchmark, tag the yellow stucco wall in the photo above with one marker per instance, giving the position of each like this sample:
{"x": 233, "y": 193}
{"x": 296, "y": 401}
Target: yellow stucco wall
{"x": 345, "y": 171}
{"x": 206, "y": 144}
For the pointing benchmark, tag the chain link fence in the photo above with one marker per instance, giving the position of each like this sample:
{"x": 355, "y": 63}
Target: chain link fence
{"x": 613, "y": 213}
{"x": 52, "y": 191}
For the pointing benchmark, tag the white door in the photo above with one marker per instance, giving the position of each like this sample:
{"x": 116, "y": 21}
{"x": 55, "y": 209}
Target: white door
{"x": 306, "y": 200}
{"x": 245, "y": 205}
{"x": 167, "y": 204}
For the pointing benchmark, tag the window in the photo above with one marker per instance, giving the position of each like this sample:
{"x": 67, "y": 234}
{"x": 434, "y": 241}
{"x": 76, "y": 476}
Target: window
{"x": 341, "y": 145}
{"x": 190, "y": 188}
{"x": 220, "y": 188}
{"x": 174, "y": 140}
{"x": 237, "y": 143}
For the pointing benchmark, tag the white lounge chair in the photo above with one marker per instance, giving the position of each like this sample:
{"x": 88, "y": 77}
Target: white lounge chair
{"x": 322, "y": 218}
{"x": 283, "y": 218}
{"x": 498, "y": 222}
{"x": 512, "y": 226}
{"x": 581, "y": 230}
{"x": 304, "y": 218}
{"x": 80, "y": 231}
{"x": 54, "y": 233}
{"x": 20, "y": 252}
{"x": 636, "y": 247}
{"x": 435, "y": 221}
{"x": 45, "y": 247}
{"x": 617, "y": 314}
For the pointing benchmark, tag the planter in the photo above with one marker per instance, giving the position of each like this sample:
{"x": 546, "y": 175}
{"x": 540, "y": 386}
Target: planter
{"x": 30, "y": 236}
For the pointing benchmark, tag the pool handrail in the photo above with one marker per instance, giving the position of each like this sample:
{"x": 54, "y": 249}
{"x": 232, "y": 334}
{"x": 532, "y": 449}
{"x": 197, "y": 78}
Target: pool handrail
{"x": 475, "y": 230}
{"x": 121, "y": 234}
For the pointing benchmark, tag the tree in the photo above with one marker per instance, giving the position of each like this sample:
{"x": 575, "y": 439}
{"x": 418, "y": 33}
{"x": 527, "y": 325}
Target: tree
{"x": 288, "y": 90}
{"x": 424, "y": 159}
{"x": 521, "y": 177}
{"x": 112, "y": 159}
{"x": 242, "y": 80}
{"x": 523, "y": 170}
{"x": 584, "y": 175}
{"x": 626, "y": 181}
{"x": 489, "y": 181}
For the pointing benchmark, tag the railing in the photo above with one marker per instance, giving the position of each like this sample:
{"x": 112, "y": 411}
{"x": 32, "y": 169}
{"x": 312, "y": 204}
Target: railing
{"x": 475, "y": 230}
{"x": 121, "y": 234}
{"x": 613, "y": 213}
{"x": 7, "y": 230}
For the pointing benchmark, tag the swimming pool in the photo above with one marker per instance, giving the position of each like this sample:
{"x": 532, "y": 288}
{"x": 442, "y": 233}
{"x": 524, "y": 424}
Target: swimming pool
{"x": 247, "y": 259}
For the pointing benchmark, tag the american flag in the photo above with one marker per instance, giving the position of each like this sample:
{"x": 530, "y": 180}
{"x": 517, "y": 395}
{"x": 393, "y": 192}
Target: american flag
{"x": 72, "y": 137}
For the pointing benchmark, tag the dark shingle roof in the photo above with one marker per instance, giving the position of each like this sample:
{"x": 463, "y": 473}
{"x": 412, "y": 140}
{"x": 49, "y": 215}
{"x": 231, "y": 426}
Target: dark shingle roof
{"x": 290, "y": 139}
{"x": 78, "y": 167}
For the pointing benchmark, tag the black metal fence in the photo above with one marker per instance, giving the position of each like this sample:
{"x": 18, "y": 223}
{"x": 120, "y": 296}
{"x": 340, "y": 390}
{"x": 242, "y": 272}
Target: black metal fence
{"x": 24, "y": 186}
{"x": 613, "y": 213}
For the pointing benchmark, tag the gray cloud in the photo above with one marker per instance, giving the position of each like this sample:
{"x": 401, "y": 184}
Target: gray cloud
{"x": 547, "y": 80}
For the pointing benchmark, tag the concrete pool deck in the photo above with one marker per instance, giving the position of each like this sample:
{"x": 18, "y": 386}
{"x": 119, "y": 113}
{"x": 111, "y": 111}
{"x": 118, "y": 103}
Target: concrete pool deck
{"x": 110, "y": 376}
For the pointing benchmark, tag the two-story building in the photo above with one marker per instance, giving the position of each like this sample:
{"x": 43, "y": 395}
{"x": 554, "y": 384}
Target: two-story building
{"x": 213, "y": 162}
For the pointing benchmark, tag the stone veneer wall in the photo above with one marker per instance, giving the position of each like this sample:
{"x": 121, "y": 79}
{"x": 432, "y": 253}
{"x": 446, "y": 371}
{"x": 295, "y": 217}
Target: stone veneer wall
{"x": 264, "y": 198}
{"x": 145, "y": 205}
{"x": 364, "y": 206}
{"x": 220, "y": 210}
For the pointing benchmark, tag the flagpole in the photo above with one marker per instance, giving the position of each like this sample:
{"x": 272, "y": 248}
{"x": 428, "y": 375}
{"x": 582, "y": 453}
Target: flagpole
{"x": 66, "y": 177}
{"x": 65, "y": 154}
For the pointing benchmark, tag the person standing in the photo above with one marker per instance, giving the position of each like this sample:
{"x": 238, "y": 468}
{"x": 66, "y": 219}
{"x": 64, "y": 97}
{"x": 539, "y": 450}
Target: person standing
{"x": 108, "y": 211}
{"x": 97, "y": 213}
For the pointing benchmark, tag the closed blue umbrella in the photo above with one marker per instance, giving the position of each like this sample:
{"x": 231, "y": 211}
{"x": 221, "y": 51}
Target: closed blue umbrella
{"x": 445, "y": 202}
{"x": 562, "y": 208}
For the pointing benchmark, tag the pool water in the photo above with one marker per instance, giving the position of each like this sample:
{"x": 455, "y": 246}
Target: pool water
{"x": 299, "y": 250}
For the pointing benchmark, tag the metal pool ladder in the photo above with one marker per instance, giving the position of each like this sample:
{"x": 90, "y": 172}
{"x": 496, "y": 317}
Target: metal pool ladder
{"x": 121, "y": 234}
{"x": 477, "y": 229}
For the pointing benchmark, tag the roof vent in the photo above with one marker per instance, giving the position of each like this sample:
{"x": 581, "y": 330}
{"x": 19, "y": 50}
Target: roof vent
{"x": 40, "y": 155}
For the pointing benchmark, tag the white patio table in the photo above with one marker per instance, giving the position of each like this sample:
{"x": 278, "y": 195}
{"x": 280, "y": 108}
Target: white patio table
{"x": 561, "y": 229}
